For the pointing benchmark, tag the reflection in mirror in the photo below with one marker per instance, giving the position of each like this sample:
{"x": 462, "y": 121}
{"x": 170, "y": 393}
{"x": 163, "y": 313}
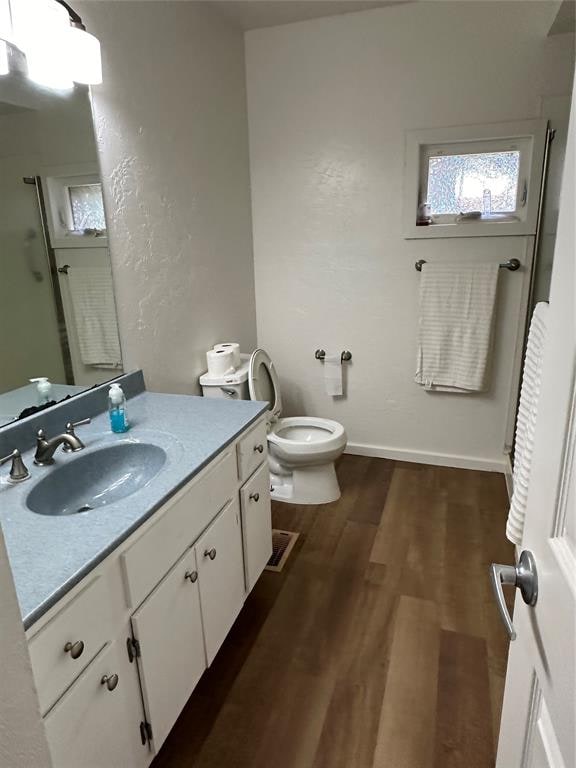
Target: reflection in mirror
{"x": 57, "y": 310}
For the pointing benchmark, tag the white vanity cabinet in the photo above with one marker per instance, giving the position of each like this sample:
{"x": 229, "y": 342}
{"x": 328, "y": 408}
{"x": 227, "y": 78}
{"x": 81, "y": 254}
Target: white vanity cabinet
{"x": 169, "y": 645}
{"x": 96, "y": 723}
{"x": 221, "y": 576}
{"x": 155, "y": 613}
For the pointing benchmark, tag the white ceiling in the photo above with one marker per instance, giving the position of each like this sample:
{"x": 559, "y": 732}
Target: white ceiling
{"x": 253, "y": 14}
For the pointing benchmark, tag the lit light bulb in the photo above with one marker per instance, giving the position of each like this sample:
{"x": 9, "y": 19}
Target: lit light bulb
{"x": 4, "y": 68}
{"x": 84, "y": 63}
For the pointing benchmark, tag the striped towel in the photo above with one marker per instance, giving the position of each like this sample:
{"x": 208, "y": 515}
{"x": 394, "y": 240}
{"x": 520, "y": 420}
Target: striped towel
{"x": 457, "y": 304}
{"x": 526, "y": 422}
{"x": 92, "y": 297}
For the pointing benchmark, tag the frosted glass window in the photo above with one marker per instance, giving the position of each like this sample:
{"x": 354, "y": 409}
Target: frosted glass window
{"x": 485, "y": 181}
{"x": 87, "y": 207}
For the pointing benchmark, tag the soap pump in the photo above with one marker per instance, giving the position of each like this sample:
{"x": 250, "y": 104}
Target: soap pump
{"x": 43, "y": 388}
{"x": 117, "y": 409}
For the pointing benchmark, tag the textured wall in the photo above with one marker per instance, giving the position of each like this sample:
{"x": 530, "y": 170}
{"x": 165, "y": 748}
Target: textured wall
{"x": 172, "y": 135}
{"x": 329, "y": 102}
{"x": 22, "y": 739}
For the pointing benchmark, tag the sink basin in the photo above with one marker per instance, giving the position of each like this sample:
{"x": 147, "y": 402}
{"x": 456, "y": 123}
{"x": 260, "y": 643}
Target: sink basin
{"x": 95, "y": 479}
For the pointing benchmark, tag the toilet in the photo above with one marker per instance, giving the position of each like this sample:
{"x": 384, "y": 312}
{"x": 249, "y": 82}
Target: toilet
{"x": 301, "y": 449}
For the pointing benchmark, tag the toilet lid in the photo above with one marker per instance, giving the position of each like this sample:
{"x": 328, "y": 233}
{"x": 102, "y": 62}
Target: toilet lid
{"x": 263, "y": 381}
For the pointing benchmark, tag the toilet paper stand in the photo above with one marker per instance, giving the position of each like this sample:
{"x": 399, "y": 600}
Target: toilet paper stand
{"x": 320, "y": 354}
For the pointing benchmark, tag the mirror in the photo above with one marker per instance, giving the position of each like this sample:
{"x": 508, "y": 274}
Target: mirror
{"x": 57, "y": 309}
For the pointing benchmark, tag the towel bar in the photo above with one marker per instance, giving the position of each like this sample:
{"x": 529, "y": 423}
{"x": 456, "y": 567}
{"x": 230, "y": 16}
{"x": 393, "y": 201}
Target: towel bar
{"x": 512, "y": 265}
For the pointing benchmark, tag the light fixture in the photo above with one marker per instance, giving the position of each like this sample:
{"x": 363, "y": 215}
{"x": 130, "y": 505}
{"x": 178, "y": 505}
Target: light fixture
{"x": 82, "y": 50}
{"x": 4, "y": 68}
{"x": 83, "y": 55}
{"x": 54, "y": 40}
{"x": 5, "y": 35}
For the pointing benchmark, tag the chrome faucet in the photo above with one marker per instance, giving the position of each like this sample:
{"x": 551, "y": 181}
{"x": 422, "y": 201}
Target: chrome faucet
{"x": 45, "y": 449}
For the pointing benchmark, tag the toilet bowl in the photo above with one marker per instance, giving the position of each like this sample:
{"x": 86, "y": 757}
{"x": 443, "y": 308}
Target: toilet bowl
{"x": 301, "y": 449}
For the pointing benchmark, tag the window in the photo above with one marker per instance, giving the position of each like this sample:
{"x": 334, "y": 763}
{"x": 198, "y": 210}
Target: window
{"x": 86, "y": 207}
{"x": 486, "y": 182}
{"x": 474, "y": 180}
{"x": 76, "y": 216}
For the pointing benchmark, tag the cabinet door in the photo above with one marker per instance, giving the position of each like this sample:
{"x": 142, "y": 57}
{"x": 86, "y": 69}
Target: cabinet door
{"x": 221, "y": 569}
{"x": 256, "y": 524}
{"x": 94, "y": 726}
{"x": 168, "y": 627}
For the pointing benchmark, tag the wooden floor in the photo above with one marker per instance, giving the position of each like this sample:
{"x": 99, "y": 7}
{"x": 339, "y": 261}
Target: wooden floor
{"x": 378, "y": 646}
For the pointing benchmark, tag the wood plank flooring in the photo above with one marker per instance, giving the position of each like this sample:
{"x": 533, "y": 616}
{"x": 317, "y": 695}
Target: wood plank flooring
{"x": 378, "y": 645}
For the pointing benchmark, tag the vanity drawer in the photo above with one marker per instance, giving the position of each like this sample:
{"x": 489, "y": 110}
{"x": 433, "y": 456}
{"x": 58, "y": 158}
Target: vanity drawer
{"x": 148, "y": 560}
{"x": 83, "y": 627}
{"x": 252, "y": 450}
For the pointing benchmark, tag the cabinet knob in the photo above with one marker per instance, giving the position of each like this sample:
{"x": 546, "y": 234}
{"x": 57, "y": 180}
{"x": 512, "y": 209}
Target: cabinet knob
{"x": 259, "y": 448}
{"x": 192, "y": 576}
{"x": 211, "y": 553}
{"x": 255, "y": 496}
{"x": 75, "y": 649}
{"x": 110, "y": 681}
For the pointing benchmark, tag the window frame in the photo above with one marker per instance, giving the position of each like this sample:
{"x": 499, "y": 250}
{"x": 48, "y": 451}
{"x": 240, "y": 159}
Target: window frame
{"x": 57, "y": 182}
{"x": 529, "y": 136}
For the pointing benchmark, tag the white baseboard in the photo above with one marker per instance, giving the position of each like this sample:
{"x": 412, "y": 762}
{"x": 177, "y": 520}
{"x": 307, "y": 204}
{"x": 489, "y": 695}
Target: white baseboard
{"x": 424, "y": 457}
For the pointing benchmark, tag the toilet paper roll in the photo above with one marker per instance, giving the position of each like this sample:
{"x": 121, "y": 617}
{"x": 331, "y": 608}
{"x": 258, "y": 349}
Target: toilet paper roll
{"x": 333, "y": 375}
{"x": 220, "y": 362}
{"x": 234, "y": 347}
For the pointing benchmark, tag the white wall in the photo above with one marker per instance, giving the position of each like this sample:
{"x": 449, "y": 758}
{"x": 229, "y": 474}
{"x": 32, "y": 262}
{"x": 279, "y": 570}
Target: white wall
{"x": 172, "y": 134}
{"x": 329, "y": 102}
{"x": 22, "y": 738}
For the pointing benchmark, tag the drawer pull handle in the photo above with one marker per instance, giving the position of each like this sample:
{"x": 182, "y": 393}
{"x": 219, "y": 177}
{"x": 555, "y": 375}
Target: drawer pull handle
{"x": 259, "y": 448}
{"x": 110, "y": 681}
{"x": 211, "y": 553}
{"x": 192, "y": 576}
{"x": 75, "y": 649}
{"x": 255, "y": 496}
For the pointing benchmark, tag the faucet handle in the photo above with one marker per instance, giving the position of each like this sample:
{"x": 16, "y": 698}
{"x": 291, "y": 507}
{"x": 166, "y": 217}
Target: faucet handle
{"x": 70, "y": 427}
{"x": 18, "y": 470}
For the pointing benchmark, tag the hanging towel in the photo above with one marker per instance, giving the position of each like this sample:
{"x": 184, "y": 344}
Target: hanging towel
{"x": 526, "y": 422}
{"x": 92, "y": 297}
{"x": 457, "y": 304}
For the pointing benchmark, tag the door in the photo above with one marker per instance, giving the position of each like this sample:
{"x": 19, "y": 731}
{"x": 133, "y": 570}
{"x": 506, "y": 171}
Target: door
{"x": 168, "y": 627}
{"x": 539, "y": 715}
{"x": 221, "y": 569}
{"x": 256, "y": 524}
{"x": 97, "y": 722}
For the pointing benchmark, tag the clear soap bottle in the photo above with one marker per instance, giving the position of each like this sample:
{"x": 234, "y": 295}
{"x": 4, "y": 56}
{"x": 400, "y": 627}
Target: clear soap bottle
{"x": 117, "y": 409}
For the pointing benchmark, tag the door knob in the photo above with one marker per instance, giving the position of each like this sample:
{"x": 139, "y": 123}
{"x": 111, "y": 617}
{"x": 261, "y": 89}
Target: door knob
{"x": 211, "y": 553}
{"x": 255, "y": 496}
{"x": 259, "y": 448}
{"x": 192, "y": 576}
{"x": 524, "y": 576}
{"x": 110, "y": 681}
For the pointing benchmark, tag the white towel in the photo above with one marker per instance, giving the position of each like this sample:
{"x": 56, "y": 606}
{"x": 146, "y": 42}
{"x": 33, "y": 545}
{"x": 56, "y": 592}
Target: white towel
{"x": 92, "y": 297}
{"x": 526, "y": 422}
{"x": 455, "y": 332}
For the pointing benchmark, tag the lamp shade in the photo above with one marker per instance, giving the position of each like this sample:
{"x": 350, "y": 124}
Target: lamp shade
{"x": 4, "y": 68}
{"x": 83, "y": 55}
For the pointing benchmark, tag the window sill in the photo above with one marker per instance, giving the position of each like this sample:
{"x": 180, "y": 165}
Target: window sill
{"x": 484, "y": 227}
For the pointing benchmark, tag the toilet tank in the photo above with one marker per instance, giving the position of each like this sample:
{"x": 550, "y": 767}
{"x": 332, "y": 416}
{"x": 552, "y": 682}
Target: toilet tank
{"x": 232, "y": 386}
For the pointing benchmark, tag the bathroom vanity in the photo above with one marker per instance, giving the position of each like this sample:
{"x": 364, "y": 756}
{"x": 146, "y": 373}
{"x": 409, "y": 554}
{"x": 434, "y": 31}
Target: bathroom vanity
{"x": 127, "y": 604}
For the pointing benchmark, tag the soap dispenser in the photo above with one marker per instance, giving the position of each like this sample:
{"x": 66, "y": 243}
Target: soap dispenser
{"x": 117, "y": 409}
{"x": 43, "y": 388}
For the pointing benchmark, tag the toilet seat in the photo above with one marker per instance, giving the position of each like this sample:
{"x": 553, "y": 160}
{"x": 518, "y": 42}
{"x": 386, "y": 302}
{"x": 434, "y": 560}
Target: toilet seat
{"x": 307, "y": 434}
